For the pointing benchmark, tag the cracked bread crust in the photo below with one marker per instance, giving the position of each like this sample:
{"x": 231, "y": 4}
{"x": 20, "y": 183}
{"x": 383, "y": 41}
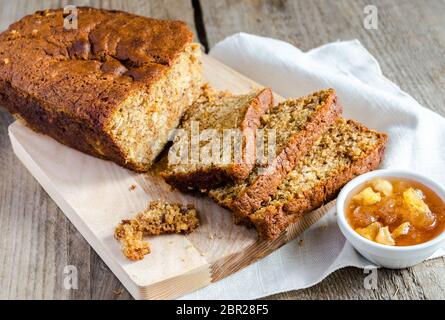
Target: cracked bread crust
{"x": 296, "y": 199}
{"x": 248, "y": 108}
{"x": 72, "y": 84}
{"x": 244, "y": 199}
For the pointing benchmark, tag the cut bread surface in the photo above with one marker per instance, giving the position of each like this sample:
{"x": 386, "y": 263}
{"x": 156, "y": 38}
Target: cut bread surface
{"x": 298, "y": 124}
{"x": 348, "y": 149}
{"x": 217, "y": 118}
{"x": 142, "y": 125}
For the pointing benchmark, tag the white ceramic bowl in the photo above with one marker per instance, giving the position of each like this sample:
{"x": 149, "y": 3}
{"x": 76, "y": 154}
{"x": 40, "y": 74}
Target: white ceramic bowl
{"x": 388, "y": 256}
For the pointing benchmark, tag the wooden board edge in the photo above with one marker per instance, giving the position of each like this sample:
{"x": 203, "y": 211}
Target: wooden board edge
{"x": 227, "y": 266}
{"x": 69, "y": 212}
{"x": 175, "y": 286}
{"x": 297, "y": 228}
{"x": 178, "y": 286}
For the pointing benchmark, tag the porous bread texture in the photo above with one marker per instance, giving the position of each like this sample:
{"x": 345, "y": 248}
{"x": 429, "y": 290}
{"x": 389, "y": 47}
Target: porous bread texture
{"x": 142, "y": 126}
{"x": 298, "y": 124}
{"x": 215, "y": 113}
{"x": 132, "y": 243}
{"x": 113, "y": 88}
{"x": 348, "y": 149}
{"x": 159, "y": 218}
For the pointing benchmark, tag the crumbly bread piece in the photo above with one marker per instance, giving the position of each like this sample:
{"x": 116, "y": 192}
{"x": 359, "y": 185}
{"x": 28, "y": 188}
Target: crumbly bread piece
{"x": 348, "y": 149}
{"x": 219, "y": 111}
{"x": 298, "y": 124}
{"x": 133, "y": 247}
{"x": 158, "y": 218}
{"x": 113, "y": 88}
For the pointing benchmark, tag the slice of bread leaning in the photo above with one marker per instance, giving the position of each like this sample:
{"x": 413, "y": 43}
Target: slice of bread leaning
{"x": 212, "y": 117}
{"x": 297, "y": 124}
{"x": 348, "y": 149}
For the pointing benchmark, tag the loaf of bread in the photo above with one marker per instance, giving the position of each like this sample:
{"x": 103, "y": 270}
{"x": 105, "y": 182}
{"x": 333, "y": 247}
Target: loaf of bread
{"x": 225, "y": 125}
{"x": 347, "y": 150}
{"x": 298, "y": 124}
{"x": 113, "y": 88}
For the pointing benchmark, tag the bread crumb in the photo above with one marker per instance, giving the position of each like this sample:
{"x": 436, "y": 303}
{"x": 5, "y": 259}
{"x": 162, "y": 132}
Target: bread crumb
{"x": 211, "y": 236}
{"x": 158, "y": 218}
{"x": 132, "y": 187}
{"x": 300, "y": 243}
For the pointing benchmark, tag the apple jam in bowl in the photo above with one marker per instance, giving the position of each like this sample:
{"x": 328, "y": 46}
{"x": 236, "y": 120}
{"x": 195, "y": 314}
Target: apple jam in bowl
{"x": 394, "y": 218}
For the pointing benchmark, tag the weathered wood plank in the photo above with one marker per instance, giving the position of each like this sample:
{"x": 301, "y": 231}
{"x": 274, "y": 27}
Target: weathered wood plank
{"x": 409, "y": 43}
{"x": 37, "y": 241}
{"x": 161, "y": 9}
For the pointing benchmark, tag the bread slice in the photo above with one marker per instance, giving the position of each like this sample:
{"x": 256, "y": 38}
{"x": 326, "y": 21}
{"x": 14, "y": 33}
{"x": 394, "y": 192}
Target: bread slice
{"x": 158, "y": 218}
{"x": 298, "y": 124}
{"x": 219, "y": 112}
{"x": 348, "y": 149}
{"x": 113, "y": 87}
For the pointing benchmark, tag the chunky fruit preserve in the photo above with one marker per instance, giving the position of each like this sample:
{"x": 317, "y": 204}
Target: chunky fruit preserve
{"x": 396, "y": 212}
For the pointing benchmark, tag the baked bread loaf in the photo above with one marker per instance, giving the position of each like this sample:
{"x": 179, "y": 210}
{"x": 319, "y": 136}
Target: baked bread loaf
{"x": 159, "y": 218}
{"x": 223, "y": 155}
{"x": 113, "y": 88}
{"x": 298, "y": 124}
{"x": 348, "y": 149}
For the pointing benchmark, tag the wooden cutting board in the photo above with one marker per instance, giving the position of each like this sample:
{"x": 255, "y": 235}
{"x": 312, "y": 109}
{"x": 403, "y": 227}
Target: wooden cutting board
{"x": 96, "y": 195}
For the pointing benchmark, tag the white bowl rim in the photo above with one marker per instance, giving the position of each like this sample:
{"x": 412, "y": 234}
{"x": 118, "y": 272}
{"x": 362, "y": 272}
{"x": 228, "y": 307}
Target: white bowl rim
{"x": 396, "y": 173}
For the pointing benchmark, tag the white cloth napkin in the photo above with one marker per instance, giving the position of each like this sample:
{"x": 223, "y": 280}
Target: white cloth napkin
{"x": 416, "y": 142}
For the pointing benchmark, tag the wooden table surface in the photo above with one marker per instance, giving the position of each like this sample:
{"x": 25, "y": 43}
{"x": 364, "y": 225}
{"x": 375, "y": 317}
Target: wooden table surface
{"x": 37, "y": 242}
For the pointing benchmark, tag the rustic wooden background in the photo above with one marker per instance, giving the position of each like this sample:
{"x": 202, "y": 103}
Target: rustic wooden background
{"x": 37, "y": 241}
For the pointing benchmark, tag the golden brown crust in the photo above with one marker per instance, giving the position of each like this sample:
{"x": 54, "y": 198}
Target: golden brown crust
{"x": 252, "y": 197}
{"x": 258, "y": 106}
{"x": 69, "y": 83}
{"x": 204, "y": 178}
{"x": 276, "y": 218}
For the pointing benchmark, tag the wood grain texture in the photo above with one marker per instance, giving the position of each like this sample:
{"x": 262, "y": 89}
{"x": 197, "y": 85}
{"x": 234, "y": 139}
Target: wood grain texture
{"x": 409, "y": 45}
{"x": 409, "y": 42}
{"x": 33, "y": 228}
